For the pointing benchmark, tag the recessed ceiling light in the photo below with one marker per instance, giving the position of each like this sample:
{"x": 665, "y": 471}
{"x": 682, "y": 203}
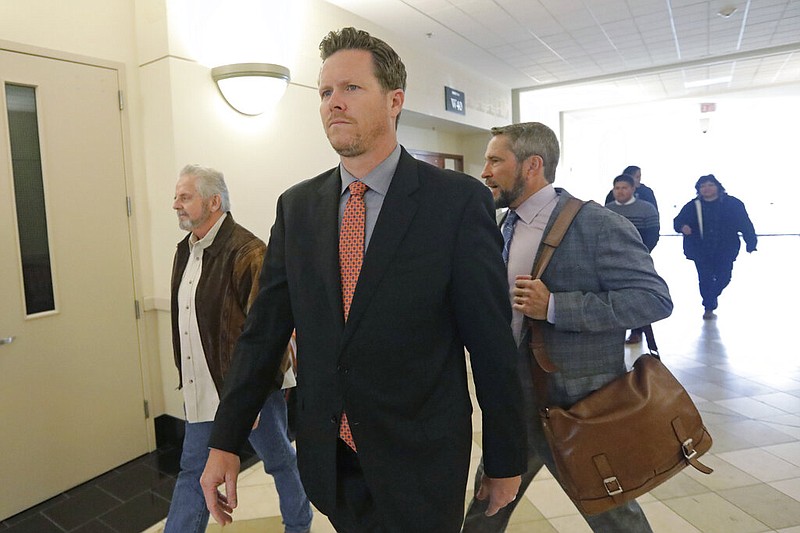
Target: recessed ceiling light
{"x": 726, "y": 12}
{"x": 705, "y": 83}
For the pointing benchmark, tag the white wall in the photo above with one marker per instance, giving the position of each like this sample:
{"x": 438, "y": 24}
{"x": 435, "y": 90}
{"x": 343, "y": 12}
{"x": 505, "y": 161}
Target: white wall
{"x": 475, "y": 148}
{"x": 471, "y": 146}
{"x": 100, "y": 28}
{"x": 414, "y": 137}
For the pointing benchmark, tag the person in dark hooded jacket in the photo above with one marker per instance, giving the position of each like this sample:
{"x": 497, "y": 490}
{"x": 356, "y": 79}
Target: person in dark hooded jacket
{"x": 711, "y": 224}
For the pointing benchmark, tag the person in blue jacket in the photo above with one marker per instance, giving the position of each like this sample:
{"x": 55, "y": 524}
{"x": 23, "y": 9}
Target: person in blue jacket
{"x": 711, "y": 224}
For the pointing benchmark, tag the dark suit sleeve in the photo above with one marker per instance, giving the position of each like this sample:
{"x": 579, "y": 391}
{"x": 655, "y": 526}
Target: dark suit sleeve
{"x": 480, "y": 299}
{"x": 259, "y": 350}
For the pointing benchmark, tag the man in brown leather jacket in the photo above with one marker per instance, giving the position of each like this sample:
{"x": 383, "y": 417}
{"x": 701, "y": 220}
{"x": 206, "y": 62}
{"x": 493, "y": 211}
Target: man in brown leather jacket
{"x": 214, "y": 281}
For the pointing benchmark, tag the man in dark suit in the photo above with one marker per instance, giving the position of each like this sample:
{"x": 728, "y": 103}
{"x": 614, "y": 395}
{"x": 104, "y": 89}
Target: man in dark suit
{"x": 384, "y": 367}
{"x": 600, "y": 281}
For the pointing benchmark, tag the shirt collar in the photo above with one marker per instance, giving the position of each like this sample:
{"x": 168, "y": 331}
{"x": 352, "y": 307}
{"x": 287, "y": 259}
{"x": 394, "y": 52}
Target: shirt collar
{"x": 629, "y": 202}
{"x": 379, "y": 178}
{"x": 531, "y": 207}
{"x": 208, "y": 239}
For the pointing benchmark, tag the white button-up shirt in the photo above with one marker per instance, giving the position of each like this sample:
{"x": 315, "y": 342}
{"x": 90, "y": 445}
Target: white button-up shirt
{"x": 200, "y": 396}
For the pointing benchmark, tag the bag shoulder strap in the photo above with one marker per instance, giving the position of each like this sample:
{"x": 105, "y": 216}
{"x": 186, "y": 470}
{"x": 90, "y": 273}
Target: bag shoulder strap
{"x": 553, "y": 239}
{"x": 550, "y": 242}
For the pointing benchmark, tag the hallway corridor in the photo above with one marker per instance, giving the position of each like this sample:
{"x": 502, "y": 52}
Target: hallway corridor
{"x": 741, "y": 369}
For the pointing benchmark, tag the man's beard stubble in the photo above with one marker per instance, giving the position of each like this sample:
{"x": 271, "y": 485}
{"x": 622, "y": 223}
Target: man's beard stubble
{"x": 354, "y": 148}
{"x": 189, "y": 224}
{"x": 359, "y": 144}
{"x": 507, "y": 197}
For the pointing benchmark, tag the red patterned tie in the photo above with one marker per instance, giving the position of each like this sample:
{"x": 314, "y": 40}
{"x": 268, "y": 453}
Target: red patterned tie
{"x": 351, "y": 254}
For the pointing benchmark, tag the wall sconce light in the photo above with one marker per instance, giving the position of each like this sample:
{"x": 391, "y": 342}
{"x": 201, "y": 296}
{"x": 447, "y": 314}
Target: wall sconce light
{"x": 251, "y": 88}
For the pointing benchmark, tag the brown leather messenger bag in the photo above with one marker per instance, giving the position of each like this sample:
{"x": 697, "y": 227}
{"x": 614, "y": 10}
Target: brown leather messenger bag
{"x": 625, "y": 438}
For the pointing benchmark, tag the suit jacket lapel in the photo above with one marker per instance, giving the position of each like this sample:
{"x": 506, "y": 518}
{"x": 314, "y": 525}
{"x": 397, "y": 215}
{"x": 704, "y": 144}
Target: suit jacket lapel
{"x": 325, "y": 244}
{"x": 397, "y": 212}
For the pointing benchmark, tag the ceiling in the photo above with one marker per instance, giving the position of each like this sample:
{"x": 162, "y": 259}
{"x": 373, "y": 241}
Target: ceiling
{"x": 604, "y": 52}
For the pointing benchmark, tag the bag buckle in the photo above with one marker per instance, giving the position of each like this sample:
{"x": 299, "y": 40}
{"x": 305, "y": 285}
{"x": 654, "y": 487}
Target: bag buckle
{"x": 612, "y": 486}
{"x": 688, "y": 449}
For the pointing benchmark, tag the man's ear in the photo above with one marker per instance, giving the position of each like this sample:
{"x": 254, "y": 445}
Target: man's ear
{"x": 533, "y": 165}
{"x": 397, "y": 101}
{"x": 216, "y": 203}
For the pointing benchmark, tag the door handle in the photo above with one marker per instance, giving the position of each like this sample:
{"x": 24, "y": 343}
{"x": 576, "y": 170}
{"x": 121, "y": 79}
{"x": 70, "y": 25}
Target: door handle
{"x": 6, "y": 340}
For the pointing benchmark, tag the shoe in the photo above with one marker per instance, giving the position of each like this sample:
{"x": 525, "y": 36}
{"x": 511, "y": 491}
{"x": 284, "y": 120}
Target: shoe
{"x": 709, "y": 315}
{"x": 635, "y": 338}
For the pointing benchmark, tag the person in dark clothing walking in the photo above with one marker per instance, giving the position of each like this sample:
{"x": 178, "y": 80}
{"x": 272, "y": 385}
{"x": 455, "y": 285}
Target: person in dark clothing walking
{"x": 644, "y": 216}
{"x": 711, "y": 224}
{"x": 640, "y": 191}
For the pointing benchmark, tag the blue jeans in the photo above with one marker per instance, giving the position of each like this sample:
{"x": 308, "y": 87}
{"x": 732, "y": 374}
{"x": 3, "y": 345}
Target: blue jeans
{"x": 188, "y": 512}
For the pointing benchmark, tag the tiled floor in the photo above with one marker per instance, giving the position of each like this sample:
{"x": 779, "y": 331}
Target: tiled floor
{"x": 742, "y": 370}
{"x": 129, "y": 499}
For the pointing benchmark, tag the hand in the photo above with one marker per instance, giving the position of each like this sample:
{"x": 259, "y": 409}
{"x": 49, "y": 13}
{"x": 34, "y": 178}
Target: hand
{"x": 500, "y": 491}
{"x": 751, "y": 249}
{"x": 221, "y": 467}
{"x": 686, "y": 230}
{"x": 531, "y": 297}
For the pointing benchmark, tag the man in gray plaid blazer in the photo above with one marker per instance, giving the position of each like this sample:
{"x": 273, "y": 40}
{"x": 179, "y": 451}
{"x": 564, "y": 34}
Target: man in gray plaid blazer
{"x": 600, "y": 282}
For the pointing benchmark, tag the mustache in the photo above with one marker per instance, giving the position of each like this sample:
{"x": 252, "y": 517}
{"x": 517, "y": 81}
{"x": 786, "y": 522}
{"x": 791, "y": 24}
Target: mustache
{"x": 338, "y": 116}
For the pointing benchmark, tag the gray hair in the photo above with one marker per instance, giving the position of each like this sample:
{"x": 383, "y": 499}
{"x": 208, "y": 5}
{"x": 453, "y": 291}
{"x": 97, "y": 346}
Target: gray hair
{"x": 533, "y": 138}
{"x": 209, "y": 182}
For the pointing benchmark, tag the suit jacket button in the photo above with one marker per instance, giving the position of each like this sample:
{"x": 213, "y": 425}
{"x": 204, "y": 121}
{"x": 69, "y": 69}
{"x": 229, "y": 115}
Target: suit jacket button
{"x": 333, "y": 420}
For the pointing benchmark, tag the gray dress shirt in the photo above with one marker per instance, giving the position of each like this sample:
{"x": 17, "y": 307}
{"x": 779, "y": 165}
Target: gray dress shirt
{"x": 378, "y": 181}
